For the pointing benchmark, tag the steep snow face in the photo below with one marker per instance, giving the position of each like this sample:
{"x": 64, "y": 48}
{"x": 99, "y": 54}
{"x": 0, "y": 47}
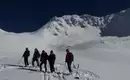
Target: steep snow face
{"x": 119, "y": 25}
{"x": 97, "y": 21}
{"x": 60, "y": 31}
{"x": 73, "y": 28}
{"x": 61, "y": 25}
{"x": 68, "y": 36}
{"x": 83, "y": 20}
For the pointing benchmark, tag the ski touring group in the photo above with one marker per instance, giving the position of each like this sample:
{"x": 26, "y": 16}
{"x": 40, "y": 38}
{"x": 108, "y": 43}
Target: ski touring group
{"x": 44, "y": 57}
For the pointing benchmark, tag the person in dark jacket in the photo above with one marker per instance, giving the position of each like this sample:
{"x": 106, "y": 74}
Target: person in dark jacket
{"x": 25, "y": 56}
{"x": 69, "y": 59}
{"x": 36, "y": 56}
{"x": 43, "y": 60}
{"x": 51, "y": 59}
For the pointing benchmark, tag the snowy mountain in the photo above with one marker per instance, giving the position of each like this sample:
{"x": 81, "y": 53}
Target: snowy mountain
{"x": 58, "y": 25}
{"x": 111, "y": 25}
{"x": 83, "y": 20}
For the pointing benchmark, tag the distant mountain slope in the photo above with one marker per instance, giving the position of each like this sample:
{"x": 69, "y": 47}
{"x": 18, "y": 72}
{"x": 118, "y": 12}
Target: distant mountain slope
{"x": 119, "y": 25}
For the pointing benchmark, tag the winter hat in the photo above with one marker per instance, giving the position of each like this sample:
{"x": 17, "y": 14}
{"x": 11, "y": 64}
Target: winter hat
{"x": 67, "y": 50}
{"x": 43, "y": 51}
{"x": 51, "y": 51}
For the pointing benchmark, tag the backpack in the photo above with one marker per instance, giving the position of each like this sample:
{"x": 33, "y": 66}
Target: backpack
{"x": 71, "y": 57}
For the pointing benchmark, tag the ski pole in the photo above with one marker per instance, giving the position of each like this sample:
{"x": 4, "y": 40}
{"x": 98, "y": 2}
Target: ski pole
{"x": 20, "y": 60}
{"x": 74, "y": 65}
{"x": 65, "y": 65}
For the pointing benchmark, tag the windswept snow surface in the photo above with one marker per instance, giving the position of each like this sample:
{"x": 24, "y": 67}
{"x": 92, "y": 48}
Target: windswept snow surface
{"x": 108, "y": 57}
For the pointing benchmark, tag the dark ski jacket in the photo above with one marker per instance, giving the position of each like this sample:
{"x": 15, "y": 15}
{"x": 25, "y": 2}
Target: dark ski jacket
{"x": 36, "y": 55}
{"x": 69, "y": 57}
{"x": 44, "y": 57}
{"x": 26, "y": 54}
{"x": 51, "y": 58}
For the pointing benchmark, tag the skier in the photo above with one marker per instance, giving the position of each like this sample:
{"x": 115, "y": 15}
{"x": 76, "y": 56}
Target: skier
{"x": 43, "y": 60}
{"x": 25, "y": 56}
{"x": 36, "y": 55}
{"x": 51, "y": 59}
{"x": 69, "y": 59}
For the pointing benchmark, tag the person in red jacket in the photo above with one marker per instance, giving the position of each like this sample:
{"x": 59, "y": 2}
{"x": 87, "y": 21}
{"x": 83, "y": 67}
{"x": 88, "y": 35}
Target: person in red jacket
{"x": 69, "y": 59}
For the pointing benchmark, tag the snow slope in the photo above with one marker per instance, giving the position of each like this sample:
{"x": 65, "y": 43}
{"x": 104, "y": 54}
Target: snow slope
{"x": 108, "y": 57}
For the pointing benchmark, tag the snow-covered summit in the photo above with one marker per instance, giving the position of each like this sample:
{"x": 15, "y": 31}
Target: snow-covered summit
{"x": 116, "y": 24}
{"x": 82, "y": 20}
{"x": 58, "y": 25}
